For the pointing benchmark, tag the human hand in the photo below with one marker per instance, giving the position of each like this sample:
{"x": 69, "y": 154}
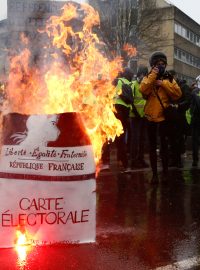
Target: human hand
{"x": 158, "y": 82}
{"x": 155, "y": 69}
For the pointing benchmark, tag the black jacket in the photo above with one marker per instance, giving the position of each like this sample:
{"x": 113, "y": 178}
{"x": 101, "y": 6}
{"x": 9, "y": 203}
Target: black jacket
{"x": 195, "y": 107}
{"x": 185, "y": 100}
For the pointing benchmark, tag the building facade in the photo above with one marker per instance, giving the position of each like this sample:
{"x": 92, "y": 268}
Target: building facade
{"x": 158, "y": 25}
{"x": 179, "y": 38}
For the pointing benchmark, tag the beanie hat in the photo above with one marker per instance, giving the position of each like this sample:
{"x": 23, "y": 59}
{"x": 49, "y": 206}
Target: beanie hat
{"x": 127, "y": 73}
{"x": 157, "y": 56}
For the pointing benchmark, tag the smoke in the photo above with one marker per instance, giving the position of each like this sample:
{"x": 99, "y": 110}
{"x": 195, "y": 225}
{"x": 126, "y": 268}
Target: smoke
{"x": 51, "y": 41}
{"x": 79, "y": 1}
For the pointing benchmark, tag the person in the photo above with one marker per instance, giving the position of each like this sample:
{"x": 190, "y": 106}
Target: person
{"x": 122, "y": 110}
{"x": 158, "y": 87}
{"x": 138, "y": 123}
{"x": 179, "y": 127}
{"x": 195, "y": 122}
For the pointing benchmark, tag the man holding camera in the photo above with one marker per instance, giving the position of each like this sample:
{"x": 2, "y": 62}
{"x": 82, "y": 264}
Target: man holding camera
{"x": 159, "y": 89}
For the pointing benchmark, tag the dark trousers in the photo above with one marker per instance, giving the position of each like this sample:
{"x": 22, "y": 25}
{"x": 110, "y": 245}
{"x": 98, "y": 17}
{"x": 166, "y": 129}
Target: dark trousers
{"x": 177, "y": 134}
{"x": 122, "y": 113}
{"x": 138, "y": 135}
{"x": 195, "y": 141}
{"x": 154, "y": 130}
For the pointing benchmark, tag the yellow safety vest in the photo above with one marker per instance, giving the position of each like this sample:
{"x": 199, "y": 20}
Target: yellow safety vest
{"x": 139, "y": 101}
{"x": 117, "y": 99}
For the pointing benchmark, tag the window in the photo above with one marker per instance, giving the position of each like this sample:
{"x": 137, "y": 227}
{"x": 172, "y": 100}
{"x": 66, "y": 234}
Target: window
{"x": 176, "y": 28}
{"x": 186, "y": 57}
{"x": 183, "y": 32}
{"x": 187, "y": 34}
{"x": 191, "y": 37}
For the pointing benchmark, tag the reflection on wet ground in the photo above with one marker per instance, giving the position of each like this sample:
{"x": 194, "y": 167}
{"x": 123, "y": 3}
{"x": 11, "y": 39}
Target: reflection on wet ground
{"x": 162, "y": 221}
{"x": 139, "y": 226}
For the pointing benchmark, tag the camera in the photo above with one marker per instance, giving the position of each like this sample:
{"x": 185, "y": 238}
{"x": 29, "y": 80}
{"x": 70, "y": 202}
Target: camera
{"x": 161, "y": 69}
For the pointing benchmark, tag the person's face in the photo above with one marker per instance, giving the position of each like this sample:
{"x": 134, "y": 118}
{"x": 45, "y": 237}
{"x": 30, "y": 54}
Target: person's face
{"x": 161, "y": 66}
{"x": 160, "y": 63}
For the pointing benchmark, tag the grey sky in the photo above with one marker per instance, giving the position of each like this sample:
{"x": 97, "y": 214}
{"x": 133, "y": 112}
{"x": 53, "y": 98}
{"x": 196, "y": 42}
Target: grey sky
{"x": 190, "y": 7}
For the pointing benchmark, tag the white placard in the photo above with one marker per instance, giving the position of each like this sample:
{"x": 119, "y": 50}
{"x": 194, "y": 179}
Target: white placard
{"x": 53, "y": 212}
{"x": 47, "y": 180}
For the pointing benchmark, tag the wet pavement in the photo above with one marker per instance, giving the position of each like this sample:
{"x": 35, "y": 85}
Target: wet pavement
{"x": 139, "y": 226}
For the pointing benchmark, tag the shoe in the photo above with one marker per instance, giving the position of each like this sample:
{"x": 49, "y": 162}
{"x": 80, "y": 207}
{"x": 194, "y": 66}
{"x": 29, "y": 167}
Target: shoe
{"x": 154, "y": 179}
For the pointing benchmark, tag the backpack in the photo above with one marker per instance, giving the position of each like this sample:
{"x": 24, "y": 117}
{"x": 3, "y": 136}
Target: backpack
{"x": 127, "y": 97}
{"x": 126, "y": 94}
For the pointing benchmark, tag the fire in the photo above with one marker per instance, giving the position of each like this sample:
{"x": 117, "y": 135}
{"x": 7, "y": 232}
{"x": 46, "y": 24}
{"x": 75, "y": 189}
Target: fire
{"x": 130, "y": 50}
{"x": 70, "y": 74}
{"x": 22, "y": 245}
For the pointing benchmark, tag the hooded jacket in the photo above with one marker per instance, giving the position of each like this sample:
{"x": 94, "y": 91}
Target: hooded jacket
{"x": 168, "y": 91}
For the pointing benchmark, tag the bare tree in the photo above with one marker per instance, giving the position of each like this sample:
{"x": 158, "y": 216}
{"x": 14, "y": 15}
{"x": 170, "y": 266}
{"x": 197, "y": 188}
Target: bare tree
{"x": 118, "y": 22}
{"x": 150, "y": 34}
{"x": 137, "y": 22}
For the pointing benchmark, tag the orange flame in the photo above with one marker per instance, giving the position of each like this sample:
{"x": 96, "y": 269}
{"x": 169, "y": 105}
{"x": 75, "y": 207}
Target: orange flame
{"x": 73, "y": 74}
{"x": 130, "y": 50}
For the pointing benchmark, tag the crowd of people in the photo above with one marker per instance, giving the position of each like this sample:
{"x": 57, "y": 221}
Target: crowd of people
{"x": 157, "y": 112}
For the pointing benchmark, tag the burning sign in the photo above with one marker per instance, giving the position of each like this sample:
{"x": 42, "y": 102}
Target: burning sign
{"x": 47, "y": 180}
{"x": 59, "y": 114}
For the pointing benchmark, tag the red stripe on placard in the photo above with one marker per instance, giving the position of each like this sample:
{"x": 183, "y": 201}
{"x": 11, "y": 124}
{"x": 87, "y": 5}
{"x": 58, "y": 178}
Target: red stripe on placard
{"x": 46, "y": 177}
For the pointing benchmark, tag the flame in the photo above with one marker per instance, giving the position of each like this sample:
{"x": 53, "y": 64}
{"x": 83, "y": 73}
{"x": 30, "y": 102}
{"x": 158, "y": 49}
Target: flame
{"x": 71, "y": 74}
{"x": 130, "y": 50}
{"x": 22, "y": 245}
